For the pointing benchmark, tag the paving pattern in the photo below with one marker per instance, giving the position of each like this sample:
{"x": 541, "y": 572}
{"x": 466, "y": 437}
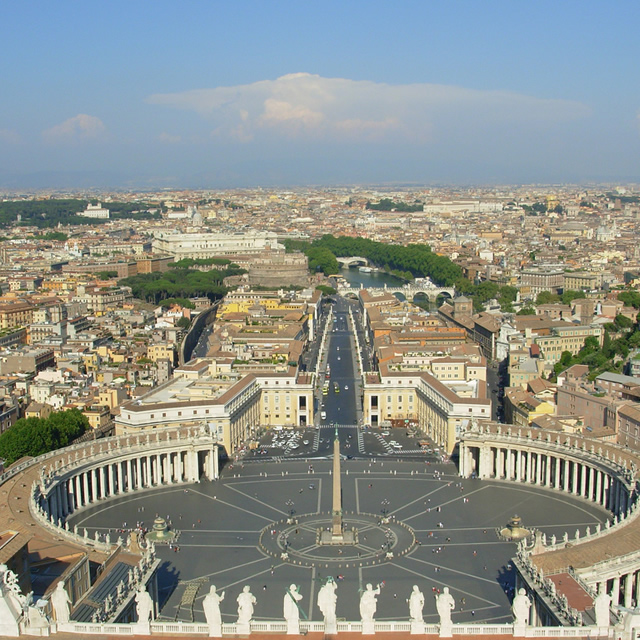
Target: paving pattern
{"x": 453, "y": 523}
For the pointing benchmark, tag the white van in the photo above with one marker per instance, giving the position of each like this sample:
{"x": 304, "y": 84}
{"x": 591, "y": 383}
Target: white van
{"x": 323, "y": 415}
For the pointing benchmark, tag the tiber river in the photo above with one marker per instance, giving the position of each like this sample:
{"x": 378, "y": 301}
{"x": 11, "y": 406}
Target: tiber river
{"x": 373, "y": 279}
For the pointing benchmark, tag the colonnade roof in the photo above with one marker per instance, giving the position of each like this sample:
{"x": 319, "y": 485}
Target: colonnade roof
{"x": 622, "y": 540}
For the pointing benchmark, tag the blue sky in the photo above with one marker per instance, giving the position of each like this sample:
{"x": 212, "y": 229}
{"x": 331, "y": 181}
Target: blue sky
{"x": 239, "y": 93}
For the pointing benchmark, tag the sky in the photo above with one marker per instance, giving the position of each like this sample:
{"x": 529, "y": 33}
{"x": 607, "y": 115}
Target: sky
{"x": 238, "y": 93}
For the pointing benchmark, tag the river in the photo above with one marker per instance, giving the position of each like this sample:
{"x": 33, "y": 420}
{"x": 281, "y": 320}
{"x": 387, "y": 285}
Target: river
{"x": 374, "y": 279}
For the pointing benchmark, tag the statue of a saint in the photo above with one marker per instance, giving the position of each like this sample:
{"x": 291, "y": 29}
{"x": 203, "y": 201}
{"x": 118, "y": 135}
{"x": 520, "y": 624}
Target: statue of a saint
{"x": 445, "y": 604}
{"x": 245, "y": 601}
{"x": 60, "y": 600}
{"x": 368, "y": 603}
{"x": 601, "y": 605}
{"x": 520, "y": 608}
{"x": 211, "y": 606}
{"x": 416, "y": 604}
{"x": 327, "y": 601}
{"x": 290, "y": 604}
{"x": 144, "y": 605}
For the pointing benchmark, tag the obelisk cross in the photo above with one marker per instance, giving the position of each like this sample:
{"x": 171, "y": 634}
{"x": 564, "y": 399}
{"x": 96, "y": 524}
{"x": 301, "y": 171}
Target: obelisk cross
{"x": 336, "y": 528}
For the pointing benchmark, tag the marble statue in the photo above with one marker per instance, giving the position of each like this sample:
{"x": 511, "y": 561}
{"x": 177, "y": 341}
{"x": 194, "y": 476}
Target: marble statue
{"x": 144, "y": 605}
{"x": 368, "y": 603}
{"x": 211, "y": 606}
{"x": 327, "y": 601}
{"x": 520, "y": 608}
{"x": 601, "y": 604}
{"x": 445, "y": 604}
{"x": 246, "y": 600}
{"x": 291, "y": 611}
{"x": 60, "y": 601}
{"x": 416, "y": 604}
{"x": 290, "y": 606}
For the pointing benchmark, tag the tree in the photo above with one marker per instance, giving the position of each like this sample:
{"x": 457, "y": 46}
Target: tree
{"x": 35, "y": 436}
{"x": 630, "y": 298}
{"x": 183, "y": 322}
{"x": 569, "y": 296}
{"x": 526, "y": 311}
{"x": 622, "y": 322}
{"x": 546, "y": 297}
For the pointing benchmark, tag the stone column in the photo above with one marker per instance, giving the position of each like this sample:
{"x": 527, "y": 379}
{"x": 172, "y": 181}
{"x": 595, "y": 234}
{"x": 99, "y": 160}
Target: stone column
{"x": 71, "y": 500}
{"x": 216, "y": 462}
{"x": 77, "y": 483}
{"x": 166, "y": 462}
{"x": 193, "y": 465}
{"x": 583, "y": 480}
{"x": 462, "y": 454}
{"x": 138, "y": 484}
{"x": 110, "y": 480}
{"x": 628, "y": 589}
{"x": 556, "y": 462}
{"x": 547, "y": 470}
{"x": 176, "y": 466}
{"x": 615, "y": 592}
{"x": 574, "y": 480}
{"x": 53, "y": 504}
{"x": 85, "y": 481}
{"x": 599, "y": 497}
{"x": 100, "y": 472}
{"x": 64, "y": 493}
{"x": 127, "y": 484}
{"x": 519, "y": 465}
{"x": 565, "y": 473}
{"x": 539, "y": 463}
{"x": 592, "y": 484}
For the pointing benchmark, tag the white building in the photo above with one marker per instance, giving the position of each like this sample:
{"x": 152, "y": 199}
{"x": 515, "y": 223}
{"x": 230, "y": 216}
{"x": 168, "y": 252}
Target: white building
{"x": 95, "y": 211}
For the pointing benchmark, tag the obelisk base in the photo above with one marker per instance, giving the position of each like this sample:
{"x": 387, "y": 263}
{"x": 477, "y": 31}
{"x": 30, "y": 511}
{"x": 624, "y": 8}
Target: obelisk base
{"x": 346, "y": 537}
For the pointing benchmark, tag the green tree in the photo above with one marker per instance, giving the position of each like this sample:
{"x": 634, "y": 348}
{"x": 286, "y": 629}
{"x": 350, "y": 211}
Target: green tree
{"x": 526, "y": 311}
{"x": 622, "y": 322}
{"x": 630, "y": 298}
{"x": 569, "y": 296}
{"x": 546, "y": 297}
{"x": 35, "y": 436}
{"x": 183, "y": 322}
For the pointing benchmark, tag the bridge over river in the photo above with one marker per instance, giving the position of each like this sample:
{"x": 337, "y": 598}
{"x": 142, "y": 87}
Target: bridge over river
{"x": 408, "y": 291}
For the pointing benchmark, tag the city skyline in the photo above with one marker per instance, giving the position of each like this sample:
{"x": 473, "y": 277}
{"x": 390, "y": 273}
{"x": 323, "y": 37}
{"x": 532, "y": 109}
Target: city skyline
{"x": 244, "y": 94}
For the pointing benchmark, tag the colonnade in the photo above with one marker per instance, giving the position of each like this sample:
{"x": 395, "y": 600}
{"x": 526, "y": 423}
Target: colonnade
{"x": 79, "y": 486}
{"x": 520, "y": 462}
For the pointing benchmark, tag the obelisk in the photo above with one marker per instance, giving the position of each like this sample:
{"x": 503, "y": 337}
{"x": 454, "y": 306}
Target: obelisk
{"x": 336, "y": 528}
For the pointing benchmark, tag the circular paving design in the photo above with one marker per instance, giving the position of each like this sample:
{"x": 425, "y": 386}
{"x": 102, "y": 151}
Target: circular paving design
{"x": 375, "y": 539}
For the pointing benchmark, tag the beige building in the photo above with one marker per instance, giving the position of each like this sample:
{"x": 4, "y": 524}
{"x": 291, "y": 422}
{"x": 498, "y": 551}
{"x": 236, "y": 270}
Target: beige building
{"x": 567, "y": 338}
{"x": 441, "y": 412}
{"x": 231, "y": 405}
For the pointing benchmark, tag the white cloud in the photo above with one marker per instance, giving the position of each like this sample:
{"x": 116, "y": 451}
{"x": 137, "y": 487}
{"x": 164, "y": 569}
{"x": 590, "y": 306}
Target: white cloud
{"x": 9, "y": 136}
{"x": 168, "y": 138}
{"x": 306, "y": 106}
{"x": 80, "y": 127}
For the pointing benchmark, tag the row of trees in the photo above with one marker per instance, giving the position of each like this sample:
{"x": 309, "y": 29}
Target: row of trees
{"x": 414, "y": 260}
{"x": 386, "y": 204}
{"x": 35, "y": 436}
{"x": 180, "y": 283}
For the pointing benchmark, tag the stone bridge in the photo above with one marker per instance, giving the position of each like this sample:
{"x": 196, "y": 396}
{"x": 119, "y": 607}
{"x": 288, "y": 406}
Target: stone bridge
{"x": 352, "y": 261}
{"x": 408, "y": 291}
